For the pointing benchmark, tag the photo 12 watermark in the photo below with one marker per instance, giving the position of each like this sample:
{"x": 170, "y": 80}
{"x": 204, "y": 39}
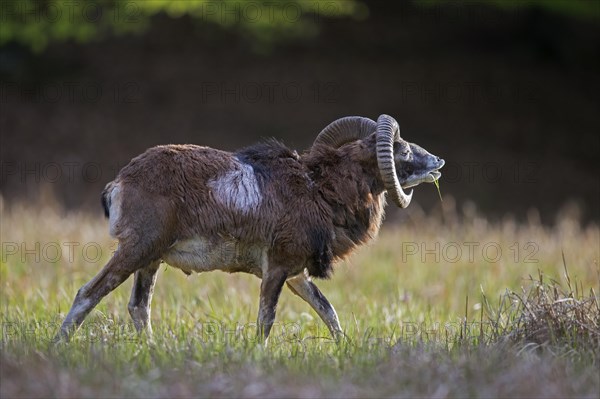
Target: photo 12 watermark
{"x": 470, "y": 252}
{"x": 70, "y": 172}
{"x": 490, "y": 172}
{"x": 55, "y": 251}
{"x": 203, "y": 331}
{"x": 71, "y": 92}
{"x": 71, "y": 11}
{"x": 225, "y": 13}
{"x": 467, "y": 92}
{"x": 269, "y": 92}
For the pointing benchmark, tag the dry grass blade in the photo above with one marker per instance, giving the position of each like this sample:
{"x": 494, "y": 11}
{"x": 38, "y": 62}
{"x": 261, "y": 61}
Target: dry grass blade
{"x": 550, "y": 316}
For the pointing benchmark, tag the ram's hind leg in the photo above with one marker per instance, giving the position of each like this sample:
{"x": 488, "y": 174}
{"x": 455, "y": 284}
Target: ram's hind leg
{"x": 307, "y": 290}
{"x": 123, "y": 263}
{"x": 141, "y": 296}
{"x": 270, "y": 289}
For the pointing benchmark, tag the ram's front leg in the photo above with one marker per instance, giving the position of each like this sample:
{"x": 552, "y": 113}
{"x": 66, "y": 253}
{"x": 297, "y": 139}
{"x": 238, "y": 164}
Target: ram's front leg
{"x": 302, "y": 286}
{"x": 270, "y": 289}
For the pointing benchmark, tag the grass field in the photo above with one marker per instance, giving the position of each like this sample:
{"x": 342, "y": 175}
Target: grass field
{"x": 446, "y": 305}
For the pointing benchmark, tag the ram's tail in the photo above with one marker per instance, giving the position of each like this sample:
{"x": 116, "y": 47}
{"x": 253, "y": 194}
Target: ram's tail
{"x": 105, "y": 199}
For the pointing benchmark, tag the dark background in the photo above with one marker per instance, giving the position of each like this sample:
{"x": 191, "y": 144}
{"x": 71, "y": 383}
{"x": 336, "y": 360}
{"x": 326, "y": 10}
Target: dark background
{"x": 508, "y": 96}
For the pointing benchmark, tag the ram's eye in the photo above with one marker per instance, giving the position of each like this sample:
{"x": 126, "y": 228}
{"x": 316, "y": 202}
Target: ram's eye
{"x": 409, "y": 169}
{"x": 400, "y": 149}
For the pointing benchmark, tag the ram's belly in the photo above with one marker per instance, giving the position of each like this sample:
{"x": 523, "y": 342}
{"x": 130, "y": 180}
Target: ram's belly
{"x": 201, "y": 254}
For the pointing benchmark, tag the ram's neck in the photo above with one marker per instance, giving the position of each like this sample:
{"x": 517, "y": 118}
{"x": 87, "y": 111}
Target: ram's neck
{"x": 347, "y": 180}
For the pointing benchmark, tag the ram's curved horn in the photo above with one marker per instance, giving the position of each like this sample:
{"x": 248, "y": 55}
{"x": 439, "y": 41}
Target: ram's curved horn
{"x": 350, "y": 128}
{"x": 345, "y": 130}
{"x": 388, "y": 132}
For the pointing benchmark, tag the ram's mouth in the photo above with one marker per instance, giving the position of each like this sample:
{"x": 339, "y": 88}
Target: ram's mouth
{"x": 415, "y": 180}
{"x": 433, "y": 176}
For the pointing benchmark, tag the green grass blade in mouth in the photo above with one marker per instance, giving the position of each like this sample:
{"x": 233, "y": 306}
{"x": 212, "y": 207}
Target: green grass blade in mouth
{"x": 437, "y": 185}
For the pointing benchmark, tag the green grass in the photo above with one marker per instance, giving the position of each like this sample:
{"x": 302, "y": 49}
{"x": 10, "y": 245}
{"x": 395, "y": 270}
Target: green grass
{"x": 419, "y": 319}
{"x": 436, "y": 182}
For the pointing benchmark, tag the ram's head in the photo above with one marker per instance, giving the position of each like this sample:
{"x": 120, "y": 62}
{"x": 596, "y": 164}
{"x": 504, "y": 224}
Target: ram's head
{"x": 418, "y": 166}
{"x": 401, "y": 164}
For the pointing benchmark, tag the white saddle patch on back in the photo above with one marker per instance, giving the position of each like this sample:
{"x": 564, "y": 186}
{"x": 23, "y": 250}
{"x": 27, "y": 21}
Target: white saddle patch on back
{"x": 238, "y": 188}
